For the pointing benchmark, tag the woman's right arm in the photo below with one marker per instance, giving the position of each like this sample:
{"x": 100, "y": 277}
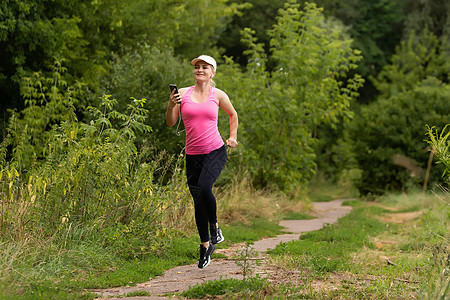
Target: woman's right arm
{"x": 173, "y": 109}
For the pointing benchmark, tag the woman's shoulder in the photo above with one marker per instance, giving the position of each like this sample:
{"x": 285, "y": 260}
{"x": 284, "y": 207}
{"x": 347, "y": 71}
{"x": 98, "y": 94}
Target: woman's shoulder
{"x": 220, "y": 94}
{"x": 183, "y": 90}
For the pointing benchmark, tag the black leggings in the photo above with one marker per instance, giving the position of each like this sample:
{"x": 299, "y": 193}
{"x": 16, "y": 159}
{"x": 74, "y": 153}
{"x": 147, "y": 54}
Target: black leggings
{"x": 202, "y": 171}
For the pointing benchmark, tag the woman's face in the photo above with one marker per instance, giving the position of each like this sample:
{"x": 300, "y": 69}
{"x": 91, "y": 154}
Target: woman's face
{"x": 203, "y": 71}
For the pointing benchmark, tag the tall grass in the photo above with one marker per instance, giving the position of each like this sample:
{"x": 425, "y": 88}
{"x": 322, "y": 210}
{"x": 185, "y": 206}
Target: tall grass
{"x": 240, "y": 202}
{"x": 93, "y": 201}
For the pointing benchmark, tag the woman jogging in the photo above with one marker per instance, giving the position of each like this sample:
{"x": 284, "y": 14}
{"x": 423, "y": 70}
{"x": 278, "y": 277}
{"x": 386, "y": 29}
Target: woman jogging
{"x": 206, "y": 152}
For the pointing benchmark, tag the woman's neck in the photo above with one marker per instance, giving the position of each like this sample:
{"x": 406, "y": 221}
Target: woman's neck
{"x": 202, "y": 87}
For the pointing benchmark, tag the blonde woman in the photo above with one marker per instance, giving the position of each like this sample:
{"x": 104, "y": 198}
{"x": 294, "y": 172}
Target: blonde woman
{"x": 206, "y": 153}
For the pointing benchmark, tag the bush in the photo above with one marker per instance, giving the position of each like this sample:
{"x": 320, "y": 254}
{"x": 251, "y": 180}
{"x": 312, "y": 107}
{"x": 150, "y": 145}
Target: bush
{"x": 94, "y": 175}
{"x": 387, "y": 135}
{"x": 281, "y": 108}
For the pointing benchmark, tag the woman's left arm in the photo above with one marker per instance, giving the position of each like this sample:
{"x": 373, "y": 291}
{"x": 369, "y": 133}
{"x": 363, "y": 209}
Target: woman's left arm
{"x": 225, "y": 104}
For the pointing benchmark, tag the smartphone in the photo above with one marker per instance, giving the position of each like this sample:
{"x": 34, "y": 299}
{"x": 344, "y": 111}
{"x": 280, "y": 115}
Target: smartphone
{"x": 173, "y": 87}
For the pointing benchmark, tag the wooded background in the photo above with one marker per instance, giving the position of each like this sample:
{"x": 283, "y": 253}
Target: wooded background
{"x": 344, "y": 89}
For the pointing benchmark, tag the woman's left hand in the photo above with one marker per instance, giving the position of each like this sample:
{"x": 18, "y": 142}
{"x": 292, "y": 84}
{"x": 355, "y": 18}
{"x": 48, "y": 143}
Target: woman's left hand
{"x": 232, "y": 142}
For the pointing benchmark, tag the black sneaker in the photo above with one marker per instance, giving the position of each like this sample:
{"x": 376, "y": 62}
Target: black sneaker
{"x": 205, "y": 255}
{"x": 220, "y": 237}
{"x": 216, "y": 234}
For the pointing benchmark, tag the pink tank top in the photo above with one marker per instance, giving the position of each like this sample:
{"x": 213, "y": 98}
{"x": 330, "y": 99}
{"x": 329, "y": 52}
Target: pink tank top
{"x": 200, "y": 120}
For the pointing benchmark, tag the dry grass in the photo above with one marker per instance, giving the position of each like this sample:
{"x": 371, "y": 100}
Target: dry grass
{"x": 242, "y": 202}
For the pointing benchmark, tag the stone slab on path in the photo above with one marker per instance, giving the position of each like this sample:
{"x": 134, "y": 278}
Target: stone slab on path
{"x": 180, "y": 278}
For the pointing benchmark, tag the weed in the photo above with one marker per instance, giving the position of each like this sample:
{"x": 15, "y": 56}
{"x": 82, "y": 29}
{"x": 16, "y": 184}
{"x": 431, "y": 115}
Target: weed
{"x": 244, "y": 260}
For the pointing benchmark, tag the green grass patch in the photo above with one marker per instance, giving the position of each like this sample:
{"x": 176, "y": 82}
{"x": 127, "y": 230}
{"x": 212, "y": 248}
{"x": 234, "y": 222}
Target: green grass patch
{"x": 297, "y": 216}
{"x": 226, "y": 286}
{"x": 138, "y": 294}
{"x": 254, "y": 231}
{"x": 329, "y": 249}
{"x": 376, "y": 251}
{"x": 321, "y": 190}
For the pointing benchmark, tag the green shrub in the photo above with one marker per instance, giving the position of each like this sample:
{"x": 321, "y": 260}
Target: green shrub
{"x": 387, "y": 135}
{"x": 94, "y": 175}
{"x": 283, "y": 106}
{"x": 394, "y": 128}
{"x": 440, "y": 144}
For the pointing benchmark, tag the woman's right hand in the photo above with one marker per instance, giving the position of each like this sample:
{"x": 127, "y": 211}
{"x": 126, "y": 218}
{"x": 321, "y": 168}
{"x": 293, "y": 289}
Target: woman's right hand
{"x": 174, "y": 99}
{"x": 171, "y": 113}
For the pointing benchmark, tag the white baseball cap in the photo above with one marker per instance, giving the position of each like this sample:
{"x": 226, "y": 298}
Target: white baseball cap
{"x": 206, "y": 58}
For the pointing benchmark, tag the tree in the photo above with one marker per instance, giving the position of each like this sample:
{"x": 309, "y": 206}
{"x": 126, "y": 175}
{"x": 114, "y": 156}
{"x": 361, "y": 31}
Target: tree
{"x": 87, "y": 34}
{"x": 146, "y": 73}
{"x": 387, "y": 136}
{"x": 32, "y": 35}
{"x": 414, "y": 92}
{"x": 283, "y": 107}
{"x": 376, "y": 28}
{"x": 430, "y": 14}
{"x": 418, "y": 57}
{"x": 260, "y": 15}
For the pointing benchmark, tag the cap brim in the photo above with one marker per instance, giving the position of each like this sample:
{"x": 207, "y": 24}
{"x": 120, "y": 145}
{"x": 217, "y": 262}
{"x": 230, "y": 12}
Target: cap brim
{"x": 196, "y": 60}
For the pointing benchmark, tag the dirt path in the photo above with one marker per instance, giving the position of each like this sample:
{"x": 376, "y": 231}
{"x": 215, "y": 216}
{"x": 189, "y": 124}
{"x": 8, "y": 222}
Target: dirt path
{"x": 181, "y": 278}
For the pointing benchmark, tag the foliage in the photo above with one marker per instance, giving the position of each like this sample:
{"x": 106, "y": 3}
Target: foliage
{"x": 282, "y": 108}
{"x": 389, "y": 149}
{"x": 48, "y": 101}
{"x": 260, "y": 15}
{"x": 243, "y": 260}
{"x": 386, "y": 133}
{"x": 420, "y": 56}
{"x": 430, "y": 14}
{"x": 440, "y": 144}
{"x": 32, "y": 35}
{"x": 374, "y": 26}
{"x": 88, "y": 33}
{"x": 93, "y": 175}
{"x": 77, "y": 258}
{"x": 146, "y": 73}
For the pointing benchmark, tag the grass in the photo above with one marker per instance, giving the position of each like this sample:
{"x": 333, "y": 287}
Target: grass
{"x": 297, "y": 216}
{"x": 235, "y": 287}
{"x": 320, "y": 190}
{"x": 33, "y": 269}
{"x": 258, "y": 228}
{"x": 329, "y": 249}
{"x": 346, "y": 260}
{"x": 363, "y": 256}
